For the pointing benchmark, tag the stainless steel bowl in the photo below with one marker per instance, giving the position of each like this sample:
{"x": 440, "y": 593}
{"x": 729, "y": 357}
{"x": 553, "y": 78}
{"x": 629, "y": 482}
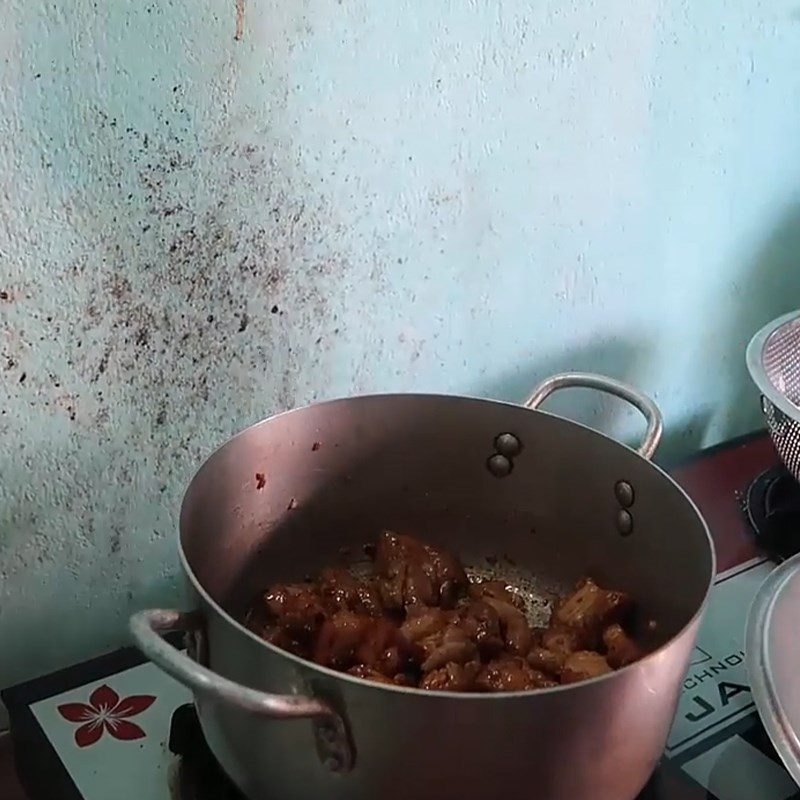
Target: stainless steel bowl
{"x": 773, "y": 359}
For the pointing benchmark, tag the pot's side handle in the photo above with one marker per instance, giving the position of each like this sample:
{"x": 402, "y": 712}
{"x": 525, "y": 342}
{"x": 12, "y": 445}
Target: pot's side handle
{"x": 588, "y": 380}
{"x": 333, "y": 740}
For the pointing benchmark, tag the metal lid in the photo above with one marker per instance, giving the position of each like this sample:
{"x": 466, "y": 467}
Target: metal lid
{"x": 772, "y": 654}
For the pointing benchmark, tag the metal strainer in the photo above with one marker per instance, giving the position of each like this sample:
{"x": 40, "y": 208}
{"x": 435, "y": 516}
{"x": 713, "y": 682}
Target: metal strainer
{"x": 773, "y": 358}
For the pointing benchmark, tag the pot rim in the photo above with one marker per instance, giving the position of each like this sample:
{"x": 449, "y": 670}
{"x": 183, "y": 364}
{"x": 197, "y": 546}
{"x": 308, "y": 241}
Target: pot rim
{"x": 434, "y": 693}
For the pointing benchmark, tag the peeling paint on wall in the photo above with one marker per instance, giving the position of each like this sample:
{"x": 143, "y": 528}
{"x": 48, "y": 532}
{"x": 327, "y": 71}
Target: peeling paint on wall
{"x": 198, "y": 230}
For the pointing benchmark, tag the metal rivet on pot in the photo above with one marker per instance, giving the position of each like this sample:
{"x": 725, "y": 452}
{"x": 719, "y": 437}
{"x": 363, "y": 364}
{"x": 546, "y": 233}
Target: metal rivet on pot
{"x": 333, "y": 746}
{"x": 624, "y": 492}
{"x": 624, "y": 522}
{"x": 508, "y": 445}
{"x": 499, "y": 465}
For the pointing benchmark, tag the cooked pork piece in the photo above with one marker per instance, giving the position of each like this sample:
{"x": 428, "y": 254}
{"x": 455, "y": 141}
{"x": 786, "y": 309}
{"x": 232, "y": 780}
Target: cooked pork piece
{"x": 544, "y": 660}
{"x": 341, "y": 591}
{"x": 418, "y": 621}
{"x": 482, "y": 624}
{"x": 347, "y": 639}
{"x": 583, "y": 665}
{"x": 516, "y": 631}
{"x": 452, "y": 677}
{"x": 410, "y": 573}
{"x": 339, "y": 638}
{"x": 422, "y": 622}
{"x": 457, "y": 636}
{"x": 295, "y": 607}
{"x": 452, "y": 646}
{"x": 560, "y": 640}
{"x": 511, "y": 674}
{"x": 590, "y": 609}
{"x": 621, "y": 650}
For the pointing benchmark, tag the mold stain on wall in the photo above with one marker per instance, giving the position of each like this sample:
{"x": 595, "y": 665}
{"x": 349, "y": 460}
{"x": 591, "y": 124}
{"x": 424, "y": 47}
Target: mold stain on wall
{"x": 178, "y": 288}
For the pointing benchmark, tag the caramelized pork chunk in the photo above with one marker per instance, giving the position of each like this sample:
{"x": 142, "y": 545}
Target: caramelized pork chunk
{"x": 452, "y": 646}
{"x": 422, "y": 622}
{"x": 560, "y": 641}
{"x": 295, "y": 607}
{"x": 511, "y": 674}
{"x": 583, "y": 665}
{"x": 516, "y": 632}
{"x": 544, "y": 660}
{"x": 341, "y": 591}
{"x": 452, "y": 677}
{"x": 347, "y": 639}
{"x": 410, "y": 573}
{"x": 621, "y": 649}
{"x": 338, "y": 639}
{"x": 481, "y": 623}
{"x": 590, "y": 609}
{"x": 418, "y": 621}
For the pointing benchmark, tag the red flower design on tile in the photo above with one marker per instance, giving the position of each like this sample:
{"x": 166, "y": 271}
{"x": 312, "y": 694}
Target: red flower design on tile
{"x": 106, "y": 711}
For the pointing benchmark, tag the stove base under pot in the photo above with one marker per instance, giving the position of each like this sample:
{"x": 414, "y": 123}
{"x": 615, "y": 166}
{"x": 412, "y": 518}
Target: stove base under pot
{"x": 198, "y": 776}
{"x": 66, "y": 749}
{"x": 772, "y": 506}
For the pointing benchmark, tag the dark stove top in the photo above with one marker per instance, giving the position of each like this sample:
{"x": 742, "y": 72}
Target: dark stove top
{"x": 772, "y": 507}
{"x": 199, "y": 775}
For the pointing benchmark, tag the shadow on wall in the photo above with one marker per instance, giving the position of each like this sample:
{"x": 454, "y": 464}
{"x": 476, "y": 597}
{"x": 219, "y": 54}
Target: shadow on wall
{"x": 734, "y": 312}
{"x": 770, "y": 288}
{"x": 623, "y": 359}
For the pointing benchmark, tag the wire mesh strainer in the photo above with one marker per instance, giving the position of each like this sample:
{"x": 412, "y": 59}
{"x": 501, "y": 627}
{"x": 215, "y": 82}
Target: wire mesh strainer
{"x": 773, "y": 358}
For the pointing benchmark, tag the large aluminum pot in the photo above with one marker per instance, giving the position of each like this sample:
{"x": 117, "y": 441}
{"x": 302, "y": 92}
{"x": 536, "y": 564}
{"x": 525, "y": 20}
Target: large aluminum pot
{"x": 287, "y": 496}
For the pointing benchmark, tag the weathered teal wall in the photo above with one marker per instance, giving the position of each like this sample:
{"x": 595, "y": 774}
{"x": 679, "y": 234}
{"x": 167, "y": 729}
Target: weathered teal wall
{"x": 197, "y": 231}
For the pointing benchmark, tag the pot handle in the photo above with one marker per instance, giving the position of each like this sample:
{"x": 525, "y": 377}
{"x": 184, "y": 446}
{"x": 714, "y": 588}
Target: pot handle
{"x": 333, "y": 740}
{"x": 588, "y": 380}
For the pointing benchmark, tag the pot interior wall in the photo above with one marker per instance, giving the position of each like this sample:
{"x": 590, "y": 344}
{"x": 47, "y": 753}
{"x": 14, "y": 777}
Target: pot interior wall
{"x": 308, "y": 488}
